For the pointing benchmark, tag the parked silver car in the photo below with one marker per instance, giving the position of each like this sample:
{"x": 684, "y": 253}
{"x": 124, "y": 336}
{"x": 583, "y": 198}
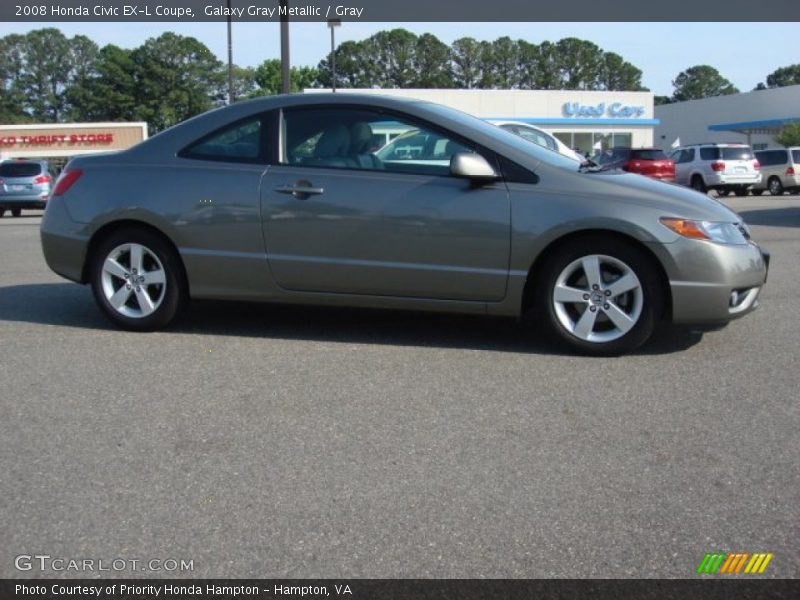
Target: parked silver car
{"x": 780, "y": 171}
{"x": 281, "y": 199}
{"x": 24, "y": 184}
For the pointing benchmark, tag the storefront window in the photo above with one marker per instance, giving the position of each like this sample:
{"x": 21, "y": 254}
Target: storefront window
{"x": 622, "y": 140}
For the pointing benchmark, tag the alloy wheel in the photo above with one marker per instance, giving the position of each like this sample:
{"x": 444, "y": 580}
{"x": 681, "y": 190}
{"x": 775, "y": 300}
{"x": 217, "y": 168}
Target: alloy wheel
{"x": 133, "y": 280}
{"x": 598, "y": 298}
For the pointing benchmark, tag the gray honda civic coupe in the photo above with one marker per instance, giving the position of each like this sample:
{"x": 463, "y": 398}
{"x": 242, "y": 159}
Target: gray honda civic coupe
{"x": 287, "y": 199}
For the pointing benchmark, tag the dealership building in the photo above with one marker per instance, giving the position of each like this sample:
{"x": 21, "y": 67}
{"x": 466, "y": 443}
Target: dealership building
{"x": 753, "y": 118}
{"x": 57, "y": 143}
{"x": 580, "y": 119}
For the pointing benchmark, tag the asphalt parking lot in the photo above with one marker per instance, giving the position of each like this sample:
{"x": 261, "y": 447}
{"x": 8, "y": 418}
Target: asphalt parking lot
{"x": 270, "y": 441}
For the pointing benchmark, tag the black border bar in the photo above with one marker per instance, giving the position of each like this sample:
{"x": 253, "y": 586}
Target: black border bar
{"x": 400, "y": 589}
{"x": 400, "y": 10}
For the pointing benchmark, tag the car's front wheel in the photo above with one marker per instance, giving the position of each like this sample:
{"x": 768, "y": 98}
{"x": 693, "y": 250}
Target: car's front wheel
{"x": 16, "y": 212}
{"x": 137, "y": 280}
{"x": 599, "y": 296}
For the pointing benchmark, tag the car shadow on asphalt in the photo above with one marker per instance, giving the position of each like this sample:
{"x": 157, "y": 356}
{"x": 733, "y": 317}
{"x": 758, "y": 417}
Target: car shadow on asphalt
{"x": 71, "y": 305}
{"x": 774, "y": 217}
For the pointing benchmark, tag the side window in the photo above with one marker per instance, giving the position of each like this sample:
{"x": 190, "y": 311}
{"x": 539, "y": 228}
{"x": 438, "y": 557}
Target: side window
{"x": 686, "y": 156}
{"x": 239, "y": 142}
{"x": 356, "y": 138}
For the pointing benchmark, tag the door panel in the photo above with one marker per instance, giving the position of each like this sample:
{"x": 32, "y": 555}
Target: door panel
{"x": 383, "y": 233}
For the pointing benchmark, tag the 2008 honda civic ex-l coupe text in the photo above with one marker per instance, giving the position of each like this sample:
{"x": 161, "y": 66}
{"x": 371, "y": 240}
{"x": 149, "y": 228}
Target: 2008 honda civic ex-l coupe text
{"x": 288, "y": 199}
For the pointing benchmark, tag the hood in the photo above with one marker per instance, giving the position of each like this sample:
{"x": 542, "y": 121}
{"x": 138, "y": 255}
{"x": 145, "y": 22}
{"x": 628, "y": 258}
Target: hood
{"x": 672, "y": 199}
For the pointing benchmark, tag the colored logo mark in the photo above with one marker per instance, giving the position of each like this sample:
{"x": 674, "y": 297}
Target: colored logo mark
{"x": 734, "y": 563}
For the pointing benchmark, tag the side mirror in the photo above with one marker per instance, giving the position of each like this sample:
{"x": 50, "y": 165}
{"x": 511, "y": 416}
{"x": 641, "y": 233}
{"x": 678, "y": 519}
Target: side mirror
{"x": 472, "y": 166}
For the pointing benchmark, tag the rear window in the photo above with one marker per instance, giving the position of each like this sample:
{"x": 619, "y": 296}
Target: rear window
{"x": 796, "y": 156}
{"x": 14, "y": 169}
{"x": 768, "y": 158}
{"x": 648, "y": 155}
{"x": 736, "y": 153}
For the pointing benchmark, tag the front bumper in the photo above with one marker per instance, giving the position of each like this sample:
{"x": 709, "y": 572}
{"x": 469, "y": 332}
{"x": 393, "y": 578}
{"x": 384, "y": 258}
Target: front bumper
{"x": 714, "y": 283}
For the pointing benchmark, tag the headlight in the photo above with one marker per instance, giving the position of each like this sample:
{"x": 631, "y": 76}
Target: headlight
{"x": 713, "y": 231}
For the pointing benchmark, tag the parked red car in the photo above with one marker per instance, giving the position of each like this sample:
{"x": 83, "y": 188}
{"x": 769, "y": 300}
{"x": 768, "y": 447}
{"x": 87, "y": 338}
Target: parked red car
{"x": 644, "y": 161}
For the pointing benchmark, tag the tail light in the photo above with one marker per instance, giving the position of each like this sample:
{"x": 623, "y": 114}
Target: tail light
{"x": 756, "y": 165}
{"x": 789, "y": 171}
{"x": 43, "y": 179}
{"x": 718, "y": 166}
{"x": 65, "y": 181}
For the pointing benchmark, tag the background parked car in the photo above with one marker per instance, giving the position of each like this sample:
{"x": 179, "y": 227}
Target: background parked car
{"x": 644, "y": 161}
{"x": 780, "y": 170}
{"x": 721, "y": 167}
{"x": 24, "y": 184}
{"x": 539, "y": 137}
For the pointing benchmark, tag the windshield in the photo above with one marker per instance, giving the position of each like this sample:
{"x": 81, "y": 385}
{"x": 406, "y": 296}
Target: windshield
{"x": 509, "y": 139}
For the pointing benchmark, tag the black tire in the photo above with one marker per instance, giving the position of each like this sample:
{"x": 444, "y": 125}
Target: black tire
{"x": 757, "y": 192}
{"x": 775, "y": 186}
{"x": 652, "y": 294}
{"x": 741, "y": 191}
{"x": 16, "y": 212}
{"x": 171, "y": 297}
{"x": 2, "y": 212}
{"x": 698, "y": 184}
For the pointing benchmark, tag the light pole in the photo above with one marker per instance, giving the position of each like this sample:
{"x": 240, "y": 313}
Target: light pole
{"x": 230, "y": 57}
{"x": 332, "y": 25}
{"x": 286, "y": 74}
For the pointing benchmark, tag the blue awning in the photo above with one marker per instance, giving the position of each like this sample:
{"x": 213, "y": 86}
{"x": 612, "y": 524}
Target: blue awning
{"x": 751, "y": 126}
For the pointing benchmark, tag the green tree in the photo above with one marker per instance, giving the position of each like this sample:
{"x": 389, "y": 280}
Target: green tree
{"x": 394, "y": 52}
{"x": 178, "y": 77}
{"x": 789, "y": 135}
{"x": 467, "y": 64}
{"x": 268, "y": 80}
{"x": 503, "y": 62}
{"x": 111, "y": 93}
{"x": 432, "y": 63}
{"x": 616, "y": 74}
{"x": 701, "y": 81}
{"x": 784, "y": 76}
{"x": 46, "y": 73}
{"x": 580, "y": 64}
{"x": 12, "y": 92}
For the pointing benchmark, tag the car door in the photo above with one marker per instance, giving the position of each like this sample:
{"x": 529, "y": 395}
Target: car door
{"x": 683, "y": 162}
{"x": 338, "y": 219}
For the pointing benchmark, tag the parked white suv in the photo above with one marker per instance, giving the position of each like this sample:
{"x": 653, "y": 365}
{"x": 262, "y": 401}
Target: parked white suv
{"x": 722, "y": 167}
{"x": 780, "y": 170}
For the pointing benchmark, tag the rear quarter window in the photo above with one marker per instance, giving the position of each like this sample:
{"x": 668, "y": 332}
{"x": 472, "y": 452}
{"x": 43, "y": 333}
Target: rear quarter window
{"x": 709, "y": 153}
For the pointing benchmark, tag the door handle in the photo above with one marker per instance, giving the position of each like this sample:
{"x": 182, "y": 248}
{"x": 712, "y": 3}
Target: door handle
{"x": 301, "y": 190}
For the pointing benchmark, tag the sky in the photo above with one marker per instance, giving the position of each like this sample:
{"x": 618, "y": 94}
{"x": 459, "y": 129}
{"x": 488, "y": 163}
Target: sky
{"x": 744, "y": 53}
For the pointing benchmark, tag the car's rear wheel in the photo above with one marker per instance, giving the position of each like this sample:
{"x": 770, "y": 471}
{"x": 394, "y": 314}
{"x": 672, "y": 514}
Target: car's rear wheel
{"x": 16, "y": 212}
{"x": 599, "y": 296}
{"x": 2, "y": 212}
{"x": 698, "y": 184}
{"x": 741, "y": 191}
{"x": 775, "y": 186}
{"x": 137, "y": 280}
